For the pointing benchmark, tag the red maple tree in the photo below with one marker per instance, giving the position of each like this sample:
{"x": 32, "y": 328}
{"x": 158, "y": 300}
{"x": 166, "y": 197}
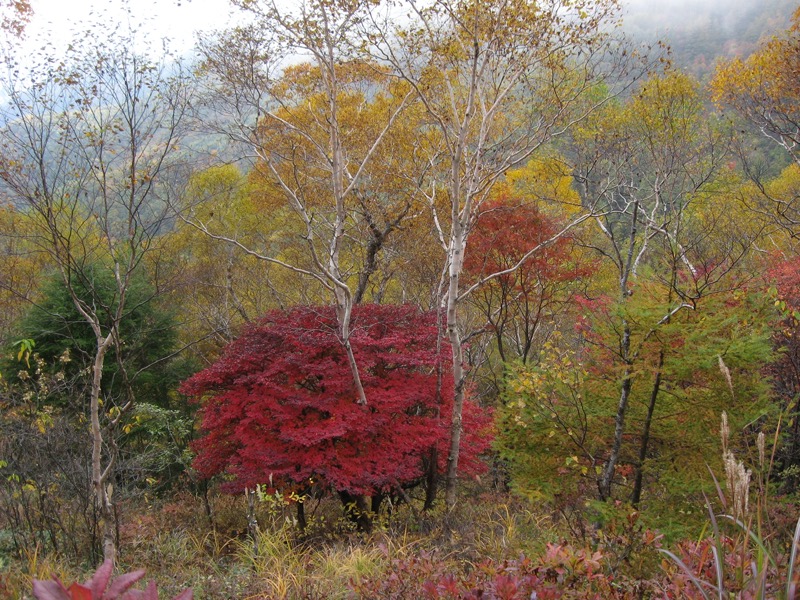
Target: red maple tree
{"x": 534, "y": 290}
{"x": 280, "y": 405}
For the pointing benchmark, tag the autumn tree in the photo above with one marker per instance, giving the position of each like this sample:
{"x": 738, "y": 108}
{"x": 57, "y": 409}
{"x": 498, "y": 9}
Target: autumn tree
{"x": 214, "y": 286}
{"x": 313, "y": 131}
{"x": 498, "y": 80}
{"x": 763, "y": 90}
{"x": 655, "y": 166}
{"x": 522, "y": 308}
{"x": 88, "y": 150}
{"x": 640, "y": 384}
{"x": 21, "y": 269}
{"x": 278, "y": 406}
{"x": 386, "y": 198}
{"x": 15, "y": 15}
{"x": 556, "y": 423}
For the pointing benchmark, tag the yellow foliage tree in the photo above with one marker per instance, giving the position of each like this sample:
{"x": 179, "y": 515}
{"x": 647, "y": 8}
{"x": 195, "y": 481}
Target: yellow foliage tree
{"x": 765, "y": 88}
{"x": 22, "y": 265}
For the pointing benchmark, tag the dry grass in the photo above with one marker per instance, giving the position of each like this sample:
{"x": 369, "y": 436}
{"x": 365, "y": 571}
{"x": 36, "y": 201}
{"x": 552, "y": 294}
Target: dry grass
{"x": 176, "y": 545}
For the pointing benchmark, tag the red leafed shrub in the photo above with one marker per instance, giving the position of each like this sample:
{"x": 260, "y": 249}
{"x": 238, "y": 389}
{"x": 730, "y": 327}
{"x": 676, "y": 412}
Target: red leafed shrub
{"x": 562, "y": 573}
{"x": 784, "y": 276}
{"x": 98, "y": 588}
{"x": 280, "y": 405}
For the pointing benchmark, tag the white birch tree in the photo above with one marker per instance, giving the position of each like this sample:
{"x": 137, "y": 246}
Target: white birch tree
{"x": 89, "y": 149}
{"x": 499, "y": 79}
{"x": 297, "y": 123}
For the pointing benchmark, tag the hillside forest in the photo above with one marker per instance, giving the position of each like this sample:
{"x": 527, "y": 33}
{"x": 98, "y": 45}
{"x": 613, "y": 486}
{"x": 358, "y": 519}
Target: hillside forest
{"x": 369, "y": 299}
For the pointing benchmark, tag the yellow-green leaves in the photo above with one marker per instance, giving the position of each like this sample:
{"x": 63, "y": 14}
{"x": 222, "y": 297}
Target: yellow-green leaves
{"x": 765, "y": 89}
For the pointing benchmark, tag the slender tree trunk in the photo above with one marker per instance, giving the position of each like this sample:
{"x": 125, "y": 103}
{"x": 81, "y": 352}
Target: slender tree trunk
{"x": 456, "y": 429}
{"x": 102, "y": 493}
{"x": 207, "y": 504}
{"x": 252, "y": 522}
{"x": 431, "y": 479}
{"x": 607, "y": 477}
{"x": 344, "y": 300}
{"x": 375, "y": 503}
{"x": 344, "y": 311}
{"x": 459, "y": 376}
{"x": 626, "y": 269}
{"x": 432, "y": 475}
{"x": 370, "y": 260}
{"x": 636, "y": 496}
{"x": 302, "y": 523}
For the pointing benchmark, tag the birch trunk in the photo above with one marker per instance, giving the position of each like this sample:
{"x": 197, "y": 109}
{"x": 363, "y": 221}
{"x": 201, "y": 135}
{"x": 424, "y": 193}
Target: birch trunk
{"x": 102, "y": 495}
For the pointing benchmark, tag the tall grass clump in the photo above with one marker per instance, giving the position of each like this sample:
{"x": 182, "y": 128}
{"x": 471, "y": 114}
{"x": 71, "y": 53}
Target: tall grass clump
{"x": 738, "y": 559}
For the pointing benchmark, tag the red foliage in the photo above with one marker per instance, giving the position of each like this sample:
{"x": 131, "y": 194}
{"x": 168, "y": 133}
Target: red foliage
{"x": 784, "y": 371}
{"x": 785, "y": 276}
{"x": 282, "y": 408}
{"x": 562, "y": 573}
{"x": 505, "y": 232}
{"x": 539, "y": 289}
{"x": 101, "y": 587}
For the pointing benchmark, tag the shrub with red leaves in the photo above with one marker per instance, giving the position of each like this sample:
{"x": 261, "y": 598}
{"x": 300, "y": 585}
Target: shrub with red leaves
{"x": 100, "y": 587}
{"x": 784, "y": 372}
{"x": 280, "y": 406}
{"x": 562, "y": 573}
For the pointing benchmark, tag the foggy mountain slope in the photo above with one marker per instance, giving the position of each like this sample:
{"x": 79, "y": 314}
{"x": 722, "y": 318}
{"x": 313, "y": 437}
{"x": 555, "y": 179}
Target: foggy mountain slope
{"x": 699, "y": 32}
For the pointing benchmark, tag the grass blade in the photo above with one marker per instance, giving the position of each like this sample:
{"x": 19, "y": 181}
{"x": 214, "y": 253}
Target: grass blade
{"x": 720, "y": 493}
{"x": 790, "y": 589}
{"x": 753, "y": 536}
{"x": 717, "y": 550}
{"x": 692, "y": 577}
{"x": 720, "y": 573}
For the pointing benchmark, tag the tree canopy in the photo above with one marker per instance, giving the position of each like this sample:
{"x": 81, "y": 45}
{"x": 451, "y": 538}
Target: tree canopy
{"x": 279, "y": 407}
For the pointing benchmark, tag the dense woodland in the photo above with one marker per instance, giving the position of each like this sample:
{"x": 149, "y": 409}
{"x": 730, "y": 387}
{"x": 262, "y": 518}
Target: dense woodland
{"x": 460, "y": 299}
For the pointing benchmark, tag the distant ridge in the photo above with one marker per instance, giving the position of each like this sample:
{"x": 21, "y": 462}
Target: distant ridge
{"x": 700, "y": 32}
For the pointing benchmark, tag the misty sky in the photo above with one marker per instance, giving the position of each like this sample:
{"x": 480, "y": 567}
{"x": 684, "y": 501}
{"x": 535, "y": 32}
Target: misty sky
{"x": 688, "y": 15}
{"x": 56, "y": 21}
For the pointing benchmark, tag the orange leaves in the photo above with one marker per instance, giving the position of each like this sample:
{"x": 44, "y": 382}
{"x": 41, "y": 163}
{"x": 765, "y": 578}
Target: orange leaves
{"x": 15, "y": 15}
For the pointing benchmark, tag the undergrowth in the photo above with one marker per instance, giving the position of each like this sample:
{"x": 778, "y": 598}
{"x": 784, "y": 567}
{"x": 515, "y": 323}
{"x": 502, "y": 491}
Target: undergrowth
{"x": 496, "y": 544}
{"x": 495, "y": 547}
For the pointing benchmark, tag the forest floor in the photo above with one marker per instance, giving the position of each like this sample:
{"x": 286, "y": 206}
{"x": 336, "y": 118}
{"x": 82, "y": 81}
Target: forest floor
{"x": 491, "y": 545}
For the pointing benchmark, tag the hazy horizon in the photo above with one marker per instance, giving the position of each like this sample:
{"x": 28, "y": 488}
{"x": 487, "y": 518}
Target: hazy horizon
{"x": 56, "y": 22}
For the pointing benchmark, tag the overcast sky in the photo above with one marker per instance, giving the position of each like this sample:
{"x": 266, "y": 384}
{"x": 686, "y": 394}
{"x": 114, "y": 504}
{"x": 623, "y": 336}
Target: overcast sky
{"x": 56, "y": 21}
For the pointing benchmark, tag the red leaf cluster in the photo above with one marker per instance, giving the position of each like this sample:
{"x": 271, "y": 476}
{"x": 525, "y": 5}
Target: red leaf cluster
{"x": 101, "y": 587}
{"x": 281, "y": 405}
{"x": 505, "y": 232}
{"x": 785, "y": 276}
